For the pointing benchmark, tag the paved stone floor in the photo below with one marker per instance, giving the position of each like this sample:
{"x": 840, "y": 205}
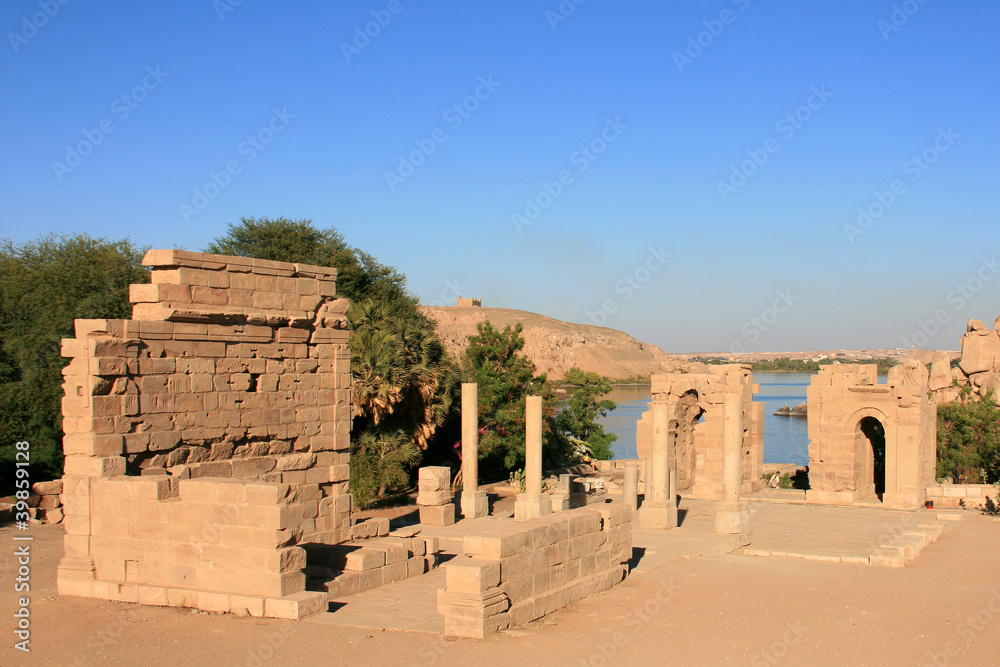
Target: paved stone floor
{"x": 860, "y": 535}
{"x": 409, "y": 605}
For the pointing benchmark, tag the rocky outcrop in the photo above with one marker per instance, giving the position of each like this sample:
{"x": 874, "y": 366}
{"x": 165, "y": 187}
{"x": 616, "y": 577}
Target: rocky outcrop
{"x": 555, "y": 346}
{"x": 978, "y": 367}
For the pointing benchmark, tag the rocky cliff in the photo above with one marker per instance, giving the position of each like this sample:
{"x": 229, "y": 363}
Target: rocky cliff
{"x": 555, "y": 346}
{"x": 979, "y": 365}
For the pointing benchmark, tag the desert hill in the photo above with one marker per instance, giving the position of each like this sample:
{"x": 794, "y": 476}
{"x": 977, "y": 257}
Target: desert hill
{"x": 555, "y": 346}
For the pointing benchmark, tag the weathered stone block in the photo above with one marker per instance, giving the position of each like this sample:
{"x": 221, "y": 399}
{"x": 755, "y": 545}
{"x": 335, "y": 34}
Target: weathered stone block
{"x": 438, "y": 515}
{"x": 472, "y": 575}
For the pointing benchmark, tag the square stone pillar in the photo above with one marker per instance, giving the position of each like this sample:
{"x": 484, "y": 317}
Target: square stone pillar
{"x": 659, "y": 507}
{"x": 532, "y": 503}
{"x": 474, "y": 502}
{"x": 562, "y": 496}
{"x": 434, "y": 496}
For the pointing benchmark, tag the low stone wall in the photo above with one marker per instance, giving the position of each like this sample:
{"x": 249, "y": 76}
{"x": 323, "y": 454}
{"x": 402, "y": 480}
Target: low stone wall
{"x": 959, "y": 495}
{"x": 212, "y": 544}
{"x": 516, "y": 571}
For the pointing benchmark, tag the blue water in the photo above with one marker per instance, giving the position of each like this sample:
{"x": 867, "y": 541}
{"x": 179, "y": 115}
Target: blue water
{"x": 786, "y": 439}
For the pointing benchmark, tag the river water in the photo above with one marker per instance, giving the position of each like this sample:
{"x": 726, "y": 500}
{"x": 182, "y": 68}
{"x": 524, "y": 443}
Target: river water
{"x": 786, "y": 439}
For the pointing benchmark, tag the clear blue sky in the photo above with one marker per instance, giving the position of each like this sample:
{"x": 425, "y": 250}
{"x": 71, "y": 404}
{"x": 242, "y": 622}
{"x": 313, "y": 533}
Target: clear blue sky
{"x": 161, "y": 95}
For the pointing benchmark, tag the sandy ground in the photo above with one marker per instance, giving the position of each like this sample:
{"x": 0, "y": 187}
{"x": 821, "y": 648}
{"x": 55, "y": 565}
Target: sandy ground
{"x": 943, "y": 609}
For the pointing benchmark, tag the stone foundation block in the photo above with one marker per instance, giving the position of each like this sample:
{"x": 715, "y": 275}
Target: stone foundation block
{"x": 296, "y": 606}
{"x": 440, "y": 515}
{"x": 528, "y": 506}
{"x": 475, "y": 505}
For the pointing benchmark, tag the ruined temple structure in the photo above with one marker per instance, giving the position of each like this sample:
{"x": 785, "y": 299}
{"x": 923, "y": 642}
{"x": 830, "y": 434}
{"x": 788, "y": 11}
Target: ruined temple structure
{"x": 207, "y": 445}
{"x": 208, "y": 437}
{"x": 871, "y": 442}
{"x": 695, "y": 426}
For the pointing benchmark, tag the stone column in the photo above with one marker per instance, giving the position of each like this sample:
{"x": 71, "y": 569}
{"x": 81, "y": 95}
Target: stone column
{"x": 659, "y": 509}
{"x": 648, "y": 475}
{"x": 474, "y": 502}
{"x": 532, "y": 503}
{"x": 630, "y": 487}
{"x": 732, "y": 515}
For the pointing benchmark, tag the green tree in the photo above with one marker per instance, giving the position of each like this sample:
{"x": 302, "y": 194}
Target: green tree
{"x": 579, "y": 418}
{"x": 45, "y": 285}
{"x": 968, "y": 439}
{"x": 506, "y": 378}
{"x": 403, "y": 382}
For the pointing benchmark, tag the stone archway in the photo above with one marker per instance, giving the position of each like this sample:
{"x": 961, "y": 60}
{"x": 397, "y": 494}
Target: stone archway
{"x": 694, "y": 402}
{"x": 869, "y": 442}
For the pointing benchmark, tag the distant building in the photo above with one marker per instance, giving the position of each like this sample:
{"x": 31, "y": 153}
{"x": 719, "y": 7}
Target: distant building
{"x": 468, "y": 303}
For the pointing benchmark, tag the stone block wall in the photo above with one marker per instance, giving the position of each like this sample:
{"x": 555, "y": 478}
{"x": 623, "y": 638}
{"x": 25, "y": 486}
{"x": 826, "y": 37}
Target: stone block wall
{"x": 232, "y": 370}
{"x": 697, "y": 447}
{"x": 516, "y": 571}
{"x": 962, "y": 495}
{"x": 213, "y": 544}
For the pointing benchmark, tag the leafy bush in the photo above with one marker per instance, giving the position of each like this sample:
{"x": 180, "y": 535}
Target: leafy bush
{"x": 578, "y": 420}
{"x": 380, "y": 463}
{"x": 968, "y": 439}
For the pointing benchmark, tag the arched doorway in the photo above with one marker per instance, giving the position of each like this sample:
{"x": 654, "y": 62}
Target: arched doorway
{"x": 870, "y": 449}
{"x": 688, "y": 415}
